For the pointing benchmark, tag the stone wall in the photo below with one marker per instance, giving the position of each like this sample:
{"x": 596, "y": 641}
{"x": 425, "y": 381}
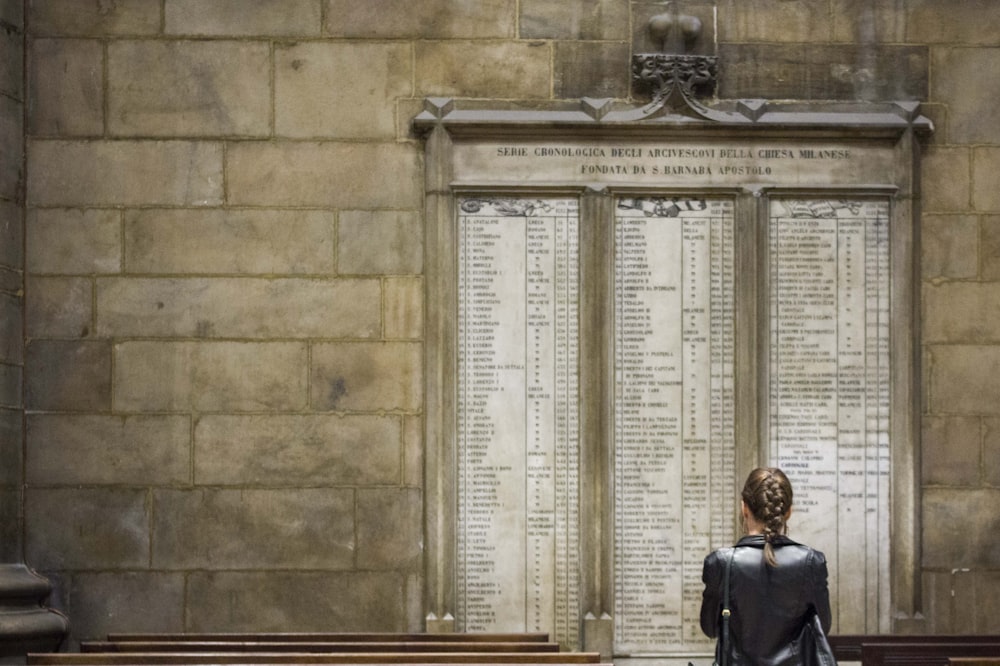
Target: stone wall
{"x": 224, "y": 296}
{"x": 960, "y": 230}
{"x": 11, "y": 275}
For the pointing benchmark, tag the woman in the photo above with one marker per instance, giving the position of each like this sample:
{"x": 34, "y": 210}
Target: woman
{"x": 775, "y": 584}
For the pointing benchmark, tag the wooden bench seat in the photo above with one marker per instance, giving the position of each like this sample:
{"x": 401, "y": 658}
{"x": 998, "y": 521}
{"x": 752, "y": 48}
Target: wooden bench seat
{"x": 973, "y": 661}
{"x": 328, "y": 637}
{"x": 899, "y": 653}
{"x": 235, "y": 657}
{"x": 847, "y": 647}
{"x": 256, "y": 645}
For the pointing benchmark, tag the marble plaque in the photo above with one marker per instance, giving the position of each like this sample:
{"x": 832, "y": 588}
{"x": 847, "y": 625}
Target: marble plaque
{"x": 518, "y": 416}
{"x": 673, "y": 413}
{"x": 829, "y": 390}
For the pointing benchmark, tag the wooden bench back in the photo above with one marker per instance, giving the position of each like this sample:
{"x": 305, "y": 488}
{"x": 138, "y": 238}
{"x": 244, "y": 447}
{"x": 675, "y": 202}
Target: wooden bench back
{"x": 309, "y": 646}
{"x": 329, "y": 637}
{"x": 185, "y": 658}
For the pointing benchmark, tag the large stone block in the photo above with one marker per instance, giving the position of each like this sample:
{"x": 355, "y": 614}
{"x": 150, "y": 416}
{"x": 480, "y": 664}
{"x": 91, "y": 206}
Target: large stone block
{"x": 12, "y": 11}
{"x": 71, "y": 241}
{"x": 11, "y": 446}
{"x": 11, "y": 280}
{"x": 966, "y": 22}
{"x": 519, "y": 69}
{"x": 801, "y": 21}
{"x": 279, "y": 18}
{"x": 413, "y": 451}
{"x": 72, "y": 17}
{"x": 125, "y": 602}
{"x": 318, "y": 91}
{"x": 11, "y": 329}
{"x": 67, "y": 87}
{"x": 11, "y": 146}
{"x": 87, "y": 528}
{"x": 990, "y": 250}
{"x": 950, "y": 447}
{"x": 404, "y": 308}
{"x": 962, "y": 312}
{"x": 366, "y": 376}
{"x": 11, "y": 235}
{"x": 338, "y": 175}
{"x": 209, "y": 376}
{"x": 12, "y": 60}
{"x": 959, "y": 81}
{"x": 864, "y": 21}
{"x": 238, "y": 307}
{"x": 964, "y": 379}
{"x": 297, "y": 450}
{"x": 991, "y": 452}
{"x": 380, "y": 243}
{"x": 307, "y": 601}
{"x": 953, "y": 601}
{"x": 10, "y": 390}
{"x": 124, "y": 173}
{"x": 949, "y": 246}
{"x": 957, "y": 532}
{"x": 818, "y": 71}
{"x": 108, "y": 450}
{"x": 207, "y": 241}
{"x": 944, "y": 179}
{"x": 986, "y": 609}
{"x": 68, "y": 375}
{"x": 428, "y": 19}
{"x": 938, "y": 600}
{"x": 59, "y": 307}
{"x": 985, "y": 166}
{"x": 591, "y": 69}
{"x": 189, "y": 88}
{"x": 10, "y": 524}
{"x": 307, "y": 528}
{"x": 390, "y": 528}
{"x": 574, "y": 20}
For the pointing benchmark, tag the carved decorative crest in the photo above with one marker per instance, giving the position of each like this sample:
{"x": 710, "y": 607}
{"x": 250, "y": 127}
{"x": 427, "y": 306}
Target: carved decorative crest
{"x": 661, "y": 74}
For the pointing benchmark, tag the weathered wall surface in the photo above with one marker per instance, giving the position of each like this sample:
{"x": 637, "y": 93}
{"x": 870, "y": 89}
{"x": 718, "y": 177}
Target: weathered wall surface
{"x": 224, "y": 296}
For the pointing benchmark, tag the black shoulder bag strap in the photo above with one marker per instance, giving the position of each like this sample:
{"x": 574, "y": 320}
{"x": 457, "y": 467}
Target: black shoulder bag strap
{"x": 724, "y": 657}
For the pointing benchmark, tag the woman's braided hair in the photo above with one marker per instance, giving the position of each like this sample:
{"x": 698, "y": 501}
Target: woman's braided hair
{"x": 768, "y": 496}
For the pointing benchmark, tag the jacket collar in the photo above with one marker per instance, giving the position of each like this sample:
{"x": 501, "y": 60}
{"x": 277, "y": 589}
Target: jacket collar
{"x": 757, "y": 541}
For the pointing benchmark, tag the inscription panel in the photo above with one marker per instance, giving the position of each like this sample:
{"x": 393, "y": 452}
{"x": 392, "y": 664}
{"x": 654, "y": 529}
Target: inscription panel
{"x": 673, "y": 413}
{"x": 709, "y": 163}
{"x": 518, "y": 416}
{"x": 829, "y": 391}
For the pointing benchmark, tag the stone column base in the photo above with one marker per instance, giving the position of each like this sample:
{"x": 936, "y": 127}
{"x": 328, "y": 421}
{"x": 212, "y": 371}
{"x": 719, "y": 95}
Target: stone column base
{"x": 25, "y": 625}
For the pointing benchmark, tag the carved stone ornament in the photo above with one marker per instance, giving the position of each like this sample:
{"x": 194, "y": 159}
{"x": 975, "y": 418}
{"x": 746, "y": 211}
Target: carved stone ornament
{"x": 663, "y": 74}
{"x": 674, "y": 76}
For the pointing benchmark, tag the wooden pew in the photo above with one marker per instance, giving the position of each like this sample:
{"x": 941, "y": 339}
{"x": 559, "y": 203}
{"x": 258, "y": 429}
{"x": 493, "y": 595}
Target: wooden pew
{"x": 973, "y": 661}
{"x": 348, "y": 637}
{"x": 847, "y": 647}
{"x": 916, "y": 653}
{"x": 185, "y": 658}
{"x": 257, "y": 645}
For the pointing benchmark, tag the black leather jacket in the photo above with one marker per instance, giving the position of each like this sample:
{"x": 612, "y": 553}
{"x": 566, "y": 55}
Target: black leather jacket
{"x": 768, "y": 604}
